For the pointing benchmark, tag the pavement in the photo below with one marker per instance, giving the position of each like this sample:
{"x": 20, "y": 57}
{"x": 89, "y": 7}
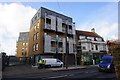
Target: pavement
{"x": 28, "y": 69}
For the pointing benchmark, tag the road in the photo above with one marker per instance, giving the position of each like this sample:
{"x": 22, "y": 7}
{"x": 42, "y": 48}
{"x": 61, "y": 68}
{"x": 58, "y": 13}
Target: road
{"x": 88, "y": 73}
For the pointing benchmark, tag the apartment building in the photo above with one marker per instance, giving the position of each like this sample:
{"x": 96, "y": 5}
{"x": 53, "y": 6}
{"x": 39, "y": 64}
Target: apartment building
{"x": 90, "y": 47}
{"x": 22, "y": 45}
{"x": 52, "y": 35}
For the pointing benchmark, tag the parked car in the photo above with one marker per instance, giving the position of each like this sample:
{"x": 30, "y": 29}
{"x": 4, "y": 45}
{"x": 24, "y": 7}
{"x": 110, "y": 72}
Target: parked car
{"x": 53, "y": 62}
{"x": 106, "y": 64}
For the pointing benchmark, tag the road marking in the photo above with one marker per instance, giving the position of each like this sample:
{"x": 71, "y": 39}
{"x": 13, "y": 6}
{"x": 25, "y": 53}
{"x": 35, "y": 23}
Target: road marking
{"x": 57, "y": 76}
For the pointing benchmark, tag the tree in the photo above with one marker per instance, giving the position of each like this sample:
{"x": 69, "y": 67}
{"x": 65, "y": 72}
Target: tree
{"x": 115, "y": 50}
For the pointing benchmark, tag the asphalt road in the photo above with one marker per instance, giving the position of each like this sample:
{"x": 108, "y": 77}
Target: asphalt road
{"x": 81, "y": 74}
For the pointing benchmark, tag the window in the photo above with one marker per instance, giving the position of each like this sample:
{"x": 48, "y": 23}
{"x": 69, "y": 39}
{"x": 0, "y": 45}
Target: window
{"x": 33, "y": 47}
{"x": 37, "y": 46}
{"x": 81, "y": 37}
{"x": 26, "y": 44}
{"x": 35, "y": 18}
{"x": 37, "y": 36}
{"x": 48, "y": 21}
{"x": 22, "y": 53}
{"x": 92, "y": 47}
{"x": 23, "y": 44}
{"x": 25, "y": 53}
{"x": 84, "y": 48}
{"x": 96, "y": 47}
{"x": 22, "y": 49}
{"x": 38, "y": 25}
{"x": 35, "y": 27}
{"x": 70, "y": 27}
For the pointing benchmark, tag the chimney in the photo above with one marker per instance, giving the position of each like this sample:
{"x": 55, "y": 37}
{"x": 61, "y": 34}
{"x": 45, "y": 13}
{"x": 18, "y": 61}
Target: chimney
{"x": 93, "y": 30}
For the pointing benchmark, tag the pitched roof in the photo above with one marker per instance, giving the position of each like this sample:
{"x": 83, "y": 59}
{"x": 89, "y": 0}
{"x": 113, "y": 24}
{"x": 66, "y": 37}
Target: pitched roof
{"x": 87, "y": 33}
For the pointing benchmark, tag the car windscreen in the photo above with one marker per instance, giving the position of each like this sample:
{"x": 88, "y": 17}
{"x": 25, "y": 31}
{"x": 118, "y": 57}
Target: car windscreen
{"x": 106, "y": 60}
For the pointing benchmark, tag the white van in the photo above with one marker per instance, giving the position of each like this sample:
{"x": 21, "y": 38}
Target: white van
{"x": 53, "y": 62}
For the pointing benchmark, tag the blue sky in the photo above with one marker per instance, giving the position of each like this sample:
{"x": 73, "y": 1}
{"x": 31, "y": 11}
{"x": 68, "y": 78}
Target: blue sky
{"x": 79, "y": 11}
{"x": 103, "y": 16}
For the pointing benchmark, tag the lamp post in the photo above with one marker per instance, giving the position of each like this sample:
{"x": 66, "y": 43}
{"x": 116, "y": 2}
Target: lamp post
{"x": 75, "y": 60}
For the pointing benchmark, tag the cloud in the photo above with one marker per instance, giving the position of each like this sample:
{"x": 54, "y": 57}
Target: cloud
{"x": 104, "y": 20}
{"x": 14, "y": 18}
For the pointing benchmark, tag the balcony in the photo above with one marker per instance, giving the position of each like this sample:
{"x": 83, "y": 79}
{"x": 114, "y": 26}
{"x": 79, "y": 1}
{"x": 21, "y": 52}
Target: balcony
{"x": 60, "y": 49}
{"x": 48, "y": 16}
{"x": 69, "y": 31}
{"x": 53, "y": 49}
{"x": 48, "y": 26}
{"x": 53, "y": 39}
{"x": 63, "y": 30}
{"x": 60, "y": 40}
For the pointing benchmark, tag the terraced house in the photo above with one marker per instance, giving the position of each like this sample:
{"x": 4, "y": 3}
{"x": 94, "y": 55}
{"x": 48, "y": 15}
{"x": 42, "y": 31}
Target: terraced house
{"x": 50, "y": 34}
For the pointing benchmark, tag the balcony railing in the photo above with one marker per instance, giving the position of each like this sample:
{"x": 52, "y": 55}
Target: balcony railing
{"x": 69, "y": 31}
